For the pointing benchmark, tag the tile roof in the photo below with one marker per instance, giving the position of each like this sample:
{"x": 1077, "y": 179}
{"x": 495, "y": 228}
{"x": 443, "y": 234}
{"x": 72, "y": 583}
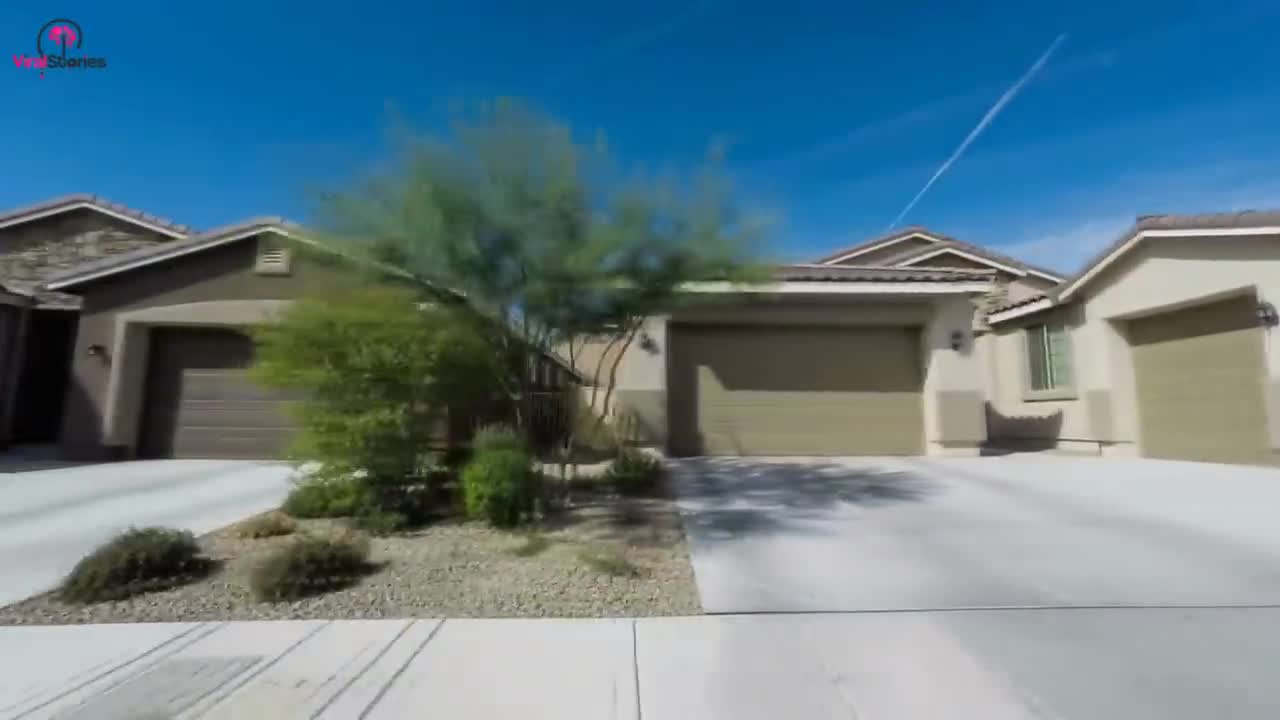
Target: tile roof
{"x": 877, "y": 273}
{"x": 160, "y": 251}
{"x": 867, "y": 244}
{"x": 71, "y": 201}
{"x": 1206, "y": 221}
{"x": 1018, "y": 303}
{"x": 943, "y": 241}
{"x": 978, "y": 250}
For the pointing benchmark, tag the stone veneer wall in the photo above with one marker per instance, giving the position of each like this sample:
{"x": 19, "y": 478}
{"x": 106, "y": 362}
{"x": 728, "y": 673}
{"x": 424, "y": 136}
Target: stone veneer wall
{"x": 33, "y": 251}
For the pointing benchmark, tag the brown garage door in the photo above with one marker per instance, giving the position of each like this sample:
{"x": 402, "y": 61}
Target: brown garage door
{"x": 199, "y": 403}
{"x": 795, "y": 391}
{"x": 1199, "y": 377}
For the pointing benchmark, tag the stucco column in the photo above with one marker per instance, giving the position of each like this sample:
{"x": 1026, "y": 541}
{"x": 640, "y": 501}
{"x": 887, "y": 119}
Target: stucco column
{"x": 1271, "y": 379}
{"x": 955, "y": 423}
{"x": 642, "y": 385}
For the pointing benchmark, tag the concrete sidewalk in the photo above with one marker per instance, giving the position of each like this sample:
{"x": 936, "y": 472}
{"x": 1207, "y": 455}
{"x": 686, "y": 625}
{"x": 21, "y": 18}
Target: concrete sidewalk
{"x": 993, "y": 665}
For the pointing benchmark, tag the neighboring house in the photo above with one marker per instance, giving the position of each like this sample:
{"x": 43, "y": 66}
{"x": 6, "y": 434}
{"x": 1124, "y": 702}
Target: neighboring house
{"x": 159, "y": 363}
{"x": 159, "y": 366}
{"x": 1160, "y": 347}
{"x": 37, "y": 326}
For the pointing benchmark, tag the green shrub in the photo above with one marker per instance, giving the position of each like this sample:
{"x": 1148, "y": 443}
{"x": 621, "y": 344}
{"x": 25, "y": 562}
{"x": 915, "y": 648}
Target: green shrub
{"x": 634, "y": 472}
{"x": 497, "y": 437}
{"x": 135, "y": 561}
{"x": 309, "y": 566}
{"x": 317, "y": 498}
{"x": 377, "y": 370}
{"x": 382, "y": 522}
{"x": 271, "y": 524}
{"x": 499, "y": 486}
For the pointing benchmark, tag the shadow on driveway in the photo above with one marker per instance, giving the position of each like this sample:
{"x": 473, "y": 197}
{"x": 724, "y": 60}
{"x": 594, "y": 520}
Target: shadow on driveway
{"x": 726, "y": 498}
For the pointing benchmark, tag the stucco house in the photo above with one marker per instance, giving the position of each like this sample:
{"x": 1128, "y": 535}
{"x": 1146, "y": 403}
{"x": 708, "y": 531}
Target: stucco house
{"x": 37, "y": 325}
{"x": 1161, "y": 346}
{"x": 123, "y": 335}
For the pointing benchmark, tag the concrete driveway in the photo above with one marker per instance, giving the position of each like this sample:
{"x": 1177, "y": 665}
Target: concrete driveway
{"x": 1046, "y": 587}
{"x": 893, "y": 534}
{"x": 49, "y": 519}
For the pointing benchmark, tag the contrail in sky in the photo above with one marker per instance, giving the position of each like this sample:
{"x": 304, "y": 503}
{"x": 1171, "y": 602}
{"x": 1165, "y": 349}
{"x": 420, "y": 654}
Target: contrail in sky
{"x": 982, "y": 125}
{"x": 633, "y": 41}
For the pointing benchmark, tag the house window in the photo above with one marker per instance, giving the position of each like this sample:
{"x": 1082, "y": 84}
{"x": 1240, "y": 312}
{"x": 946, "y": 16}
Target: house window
{"x": 1049, "y": 357}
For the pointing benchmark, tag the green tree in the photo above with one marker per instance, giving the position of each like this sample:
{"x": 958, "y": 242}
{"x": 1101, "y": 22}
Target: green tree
{"x": 376, "y": 369}
{"x": 535, "y": 230}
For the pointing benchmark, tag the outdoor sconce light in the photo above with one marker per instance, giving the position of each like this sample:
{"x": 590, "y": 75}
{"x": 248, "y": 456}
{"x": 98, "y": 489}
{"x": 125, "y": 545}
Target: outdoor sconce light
{"x": 1267, "y": 314}
{"x": 648, "y": 344}
{"x": 957, "y": 339}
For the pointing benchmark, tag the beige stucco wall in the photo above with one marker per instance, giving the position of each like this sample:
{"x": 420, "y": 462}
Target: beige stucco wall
{"x": 953, "y": 384}
{"x": 1021, "y": 288}
{"x": 1155, "y": 277}
{"x": 216, "y": 287}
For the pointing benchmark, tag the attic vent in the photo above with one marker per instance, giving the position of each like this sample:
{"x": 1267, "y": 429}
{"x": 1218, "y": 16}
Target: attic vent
{"x": 273, "y": 261}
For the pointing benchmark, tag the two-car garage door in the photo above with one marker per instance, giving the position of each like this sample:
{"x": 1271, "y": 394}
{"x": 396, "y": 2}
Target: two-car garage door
{"x": 199, "y": 403}
{"x": 789, "y": 390}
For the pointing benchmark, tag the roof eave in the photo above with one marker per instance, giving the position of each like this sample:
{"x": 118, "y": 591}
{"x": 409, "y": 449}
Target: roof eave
{"x": 842, "y": 287}
{"x": 90, "y": 203}
{"x": 882, "y": 242}
{"x": 1018, "y": 311}
{"x": 1137, "y": 234}
{"x": 213, "y": 240}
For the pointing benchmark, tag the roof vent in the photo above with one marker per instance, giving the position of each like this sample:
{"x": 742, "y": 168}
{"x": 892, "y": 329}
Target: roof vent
{"x": 273, "y": 261}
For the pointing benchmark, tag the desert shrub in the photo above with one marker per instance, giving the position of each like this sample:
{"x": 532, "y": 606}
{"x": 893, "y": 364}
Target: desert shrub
{"x": 377, "y": 368}
{"x": 133, "y": 562}
{"x": 382, "y": 522}
{"x": 634, "y": 472}
{"x": 309, "y": 566}
{"x": 271, "y": 524}
{"x": 497, "y": 437}
{"x": 499, "y": 486}
{"x": 325, "y": 498}
{"x": 608, "y": 560}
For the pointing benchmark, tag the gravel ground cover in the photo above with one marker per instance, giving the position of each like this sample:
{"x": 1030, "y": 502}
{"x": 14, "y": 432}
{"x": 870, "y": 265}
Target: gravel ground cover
{"x": 450, "y": 569}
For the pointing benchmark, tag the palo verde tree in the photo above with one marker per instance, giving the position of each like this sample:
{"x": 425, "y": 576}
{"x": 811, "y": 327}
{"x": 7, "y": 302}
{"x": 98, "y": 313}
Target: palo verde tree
{"x": 546, "y": 247}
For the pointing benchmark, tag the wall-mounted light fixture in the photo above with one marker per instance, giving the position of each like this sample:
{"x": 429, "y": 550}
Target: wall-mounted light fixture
{"x": 648, "y": 344}
{"x": 97, "y": 350}
{"x": 957, "y": 339}
{"x": 1266, "y": 313}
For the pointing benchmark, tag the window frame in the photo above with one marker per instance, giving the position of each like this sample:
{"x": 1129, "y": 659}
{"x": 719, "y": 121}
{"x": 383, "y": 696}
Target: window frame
{"x": 1045, "y": 331}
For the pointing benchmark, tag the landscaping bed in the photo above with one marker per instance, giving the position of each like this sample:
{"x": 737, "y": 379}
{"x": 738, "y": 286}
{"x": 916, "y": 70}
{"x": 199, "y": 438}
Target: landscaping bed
{"x": 608, "y": 556}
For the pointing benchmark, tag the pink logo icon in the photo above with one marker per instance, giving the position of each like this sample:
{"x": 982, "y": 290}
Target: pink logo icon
{"x": 63, "y": 35}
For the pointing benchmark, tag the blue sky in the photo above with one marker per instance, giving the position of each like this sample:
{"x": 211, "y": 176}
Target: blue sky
{"x": 835, "y": 114}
